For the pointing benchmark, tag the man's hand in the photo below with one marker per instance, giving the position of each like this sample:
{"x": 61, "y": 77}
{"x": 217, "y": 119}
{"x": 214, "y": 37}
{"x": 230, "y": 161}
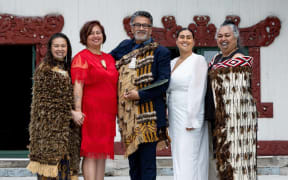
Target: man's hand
{"x": 164, "y": 139}
{"x": 132, "y": 95}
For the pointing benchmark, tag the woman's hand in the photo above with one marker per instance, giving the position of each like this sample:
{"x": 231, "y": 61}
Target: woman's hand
{"x": 78, "y": 117}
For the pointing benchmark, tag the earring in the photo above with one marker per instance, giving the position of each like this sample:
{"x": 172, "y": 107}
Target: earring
{"x": 66, "y": 59}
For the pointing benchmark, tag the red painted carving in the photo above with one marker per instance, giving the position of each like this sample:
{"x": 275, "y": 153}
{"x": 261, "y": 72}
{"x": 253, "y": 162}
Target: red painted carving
{"x": 127, "y": 27}
{"x": 171, "y": 29}
{"x": 272, "y": 148}
{"x": 204, "y": 33}
{"x": 264, "y": 109}
{"x": 261, "y": 34}
{"x": 119, "y": 149}
{"x": 235, "y": 19}
{"x": 29, "y": 30}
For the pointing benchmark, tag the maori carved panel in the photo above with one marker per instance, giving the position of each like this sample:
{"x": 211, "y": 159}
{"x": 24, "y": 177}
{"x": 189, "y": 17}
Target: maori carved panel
{"x": 29, "y": 30}
{"x": 270, "y": 148}
{"x": 264, "y": 109}
{"x": 204, "y": 33}
{"x": 260, "y": 34}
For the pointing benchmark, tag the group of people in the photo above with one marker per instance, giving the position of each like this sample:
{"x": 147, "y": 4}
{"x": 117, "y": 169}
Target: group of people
{"x": 75, "y": 104}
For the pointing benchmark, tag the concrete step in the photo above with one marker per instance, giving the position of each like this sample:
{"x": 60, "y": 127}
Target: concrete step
{"x": 117, "y": 167}
{"x": 268, "y": 165}
{"x": 271, "y": 177}
{"x": 272, "y": 165}
{"x": 120, "y": 166}
{"x": 81, "y": 178}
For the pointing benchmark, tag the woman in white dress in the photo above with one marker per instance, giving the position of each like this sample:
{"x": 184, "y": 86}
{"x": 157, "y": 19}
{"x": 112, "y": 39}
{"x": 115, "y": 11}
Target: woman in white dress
{"x": 188, "y": 130}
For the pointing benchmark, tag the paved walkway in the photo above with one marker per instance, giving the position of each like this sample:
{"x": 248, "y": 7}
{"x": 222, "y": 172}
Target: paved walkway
{"x": 158, "y": 178}
{"x": 106, "y": 178}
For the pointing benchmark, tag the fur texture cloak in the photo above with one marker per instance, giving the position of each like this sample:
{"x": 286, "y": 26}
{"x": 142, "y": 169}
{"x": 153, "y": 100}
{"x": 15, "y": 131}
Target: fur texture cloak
{"x": 53, "y": 134}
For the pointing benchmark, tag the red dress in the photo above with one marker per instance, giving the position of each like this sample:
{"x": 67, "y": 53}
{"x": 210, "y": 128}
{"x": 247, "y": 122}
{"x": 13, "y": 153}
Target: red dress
{"x": 99, "y": 102}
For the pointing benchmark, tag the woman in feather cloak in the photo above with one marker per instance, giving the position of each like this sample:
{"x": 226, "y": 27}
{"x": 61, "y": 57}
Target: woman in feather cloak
{"x": 54, "y": 137}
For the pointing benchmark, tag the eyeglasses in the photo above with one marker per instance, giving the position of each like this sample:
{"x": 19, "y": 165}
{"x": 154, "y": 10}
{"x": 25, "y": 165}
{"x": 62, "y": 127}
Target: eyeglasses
{"x": 145, "y": 26}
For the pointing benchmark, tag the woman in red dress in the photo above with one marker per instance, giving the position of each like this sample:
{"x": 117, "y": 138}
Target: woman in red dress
{"x": 95, "y": 77}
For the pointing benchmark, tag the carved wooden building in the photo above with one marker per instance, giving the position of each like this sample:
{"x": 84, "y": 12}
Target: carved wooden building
{"x": 26, "y": 27}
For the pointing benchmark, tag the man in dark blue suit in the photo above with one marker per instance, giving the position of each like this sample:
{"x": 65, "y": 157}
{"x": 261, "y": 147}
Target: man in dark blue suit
{"x": 155, "y": 77}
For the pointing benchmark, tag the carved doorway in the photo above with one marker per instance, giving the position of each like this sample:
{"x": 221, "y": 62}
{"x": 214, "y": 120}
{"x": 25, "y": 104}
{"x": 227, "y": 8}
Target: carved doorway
{"x": 22, "y": 45}
{"x": 18, "y": 63}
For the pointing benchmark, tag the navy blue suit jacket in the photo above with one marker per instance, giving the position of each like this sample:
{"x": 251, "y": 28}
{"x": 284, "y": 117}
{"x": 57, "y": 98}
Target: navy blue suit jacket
{"x": 160, "y": 70}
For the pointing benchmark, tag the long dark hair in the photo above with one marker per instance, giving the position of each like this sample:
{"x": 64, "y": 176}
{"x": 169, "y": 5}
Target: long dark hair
{"x": 49, "y": 59}
{"x": 183, "y": 29}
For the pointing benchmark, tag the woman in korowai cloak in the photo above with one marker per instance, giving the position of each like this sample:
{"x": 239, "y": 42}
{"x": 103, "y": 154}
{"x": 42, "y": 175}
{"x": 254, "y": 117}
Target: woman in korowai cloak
{"x": 54, "y": 137}
{"x": 235, "y": 125}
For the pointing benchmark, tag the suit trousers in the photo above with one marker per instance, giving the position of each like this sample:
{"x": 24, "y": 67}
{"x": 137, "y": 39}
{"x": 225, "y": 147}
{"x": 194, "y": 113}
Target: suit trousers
{"x": 143, "y": 162}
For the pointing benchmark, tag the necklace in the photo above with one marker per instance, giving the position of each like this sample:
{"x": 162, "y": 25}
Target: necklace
{"x": 103, "y": 63}
{"x": 102, "y": 60}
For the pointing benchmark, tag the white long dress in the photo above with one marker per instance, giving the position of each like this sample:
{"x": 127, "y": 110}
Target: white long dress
{"x": 186, "y": 92}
